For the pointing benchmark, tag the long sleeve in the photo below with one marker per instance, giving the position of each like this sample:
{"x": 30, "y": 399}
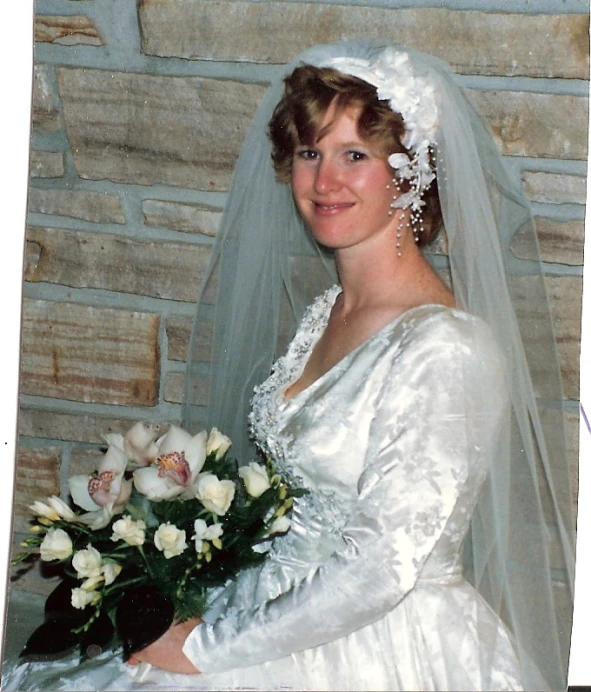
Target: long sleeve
{"x": 428, "y": 451}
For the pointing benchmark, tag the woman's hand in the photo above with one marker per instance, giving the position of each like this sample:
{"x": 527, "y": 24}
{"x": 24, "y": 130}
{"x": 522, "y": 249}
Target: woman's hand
{"x": 167, "y": 652}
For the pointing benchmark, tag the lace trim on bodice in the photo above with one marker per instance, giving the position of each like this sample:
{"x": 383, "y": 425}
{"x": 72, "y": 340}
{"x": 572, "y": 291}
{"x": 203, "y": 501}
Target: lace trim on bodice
{"x": 267, "y": 395}
{"x": 319, "y": 513}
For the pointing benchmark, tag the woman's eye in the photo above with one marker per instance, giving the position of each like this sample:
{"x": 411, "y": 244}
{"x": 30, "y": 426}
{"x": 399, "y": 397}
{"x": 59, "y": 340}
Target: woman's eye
{"x": 307, "y": 154}
{"x": 356, "y": 156}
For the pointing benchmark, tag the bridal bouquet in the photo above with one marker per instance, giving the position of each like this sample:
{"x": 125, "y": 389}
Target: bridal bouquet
{"x": 164, "y": 519}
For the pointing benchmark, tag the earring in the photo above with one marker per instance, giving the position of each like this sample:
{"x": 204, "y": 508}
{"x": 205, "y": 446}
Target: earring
{"x": 391, "y": 212}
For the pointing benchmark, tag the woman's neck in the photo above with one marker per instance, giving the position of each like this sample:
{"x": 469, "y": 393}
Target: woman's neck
{"x": 374, "y": 277}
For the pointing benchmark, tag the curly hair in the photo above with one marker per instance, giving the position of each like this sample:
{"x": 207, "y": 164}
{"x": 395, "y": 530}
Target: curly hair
{"x": 309, "y": 92}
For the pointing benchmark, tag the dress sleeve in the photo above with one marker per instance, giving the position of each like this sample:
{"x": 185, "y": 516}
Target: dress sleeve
{"x": 430, "y": 439}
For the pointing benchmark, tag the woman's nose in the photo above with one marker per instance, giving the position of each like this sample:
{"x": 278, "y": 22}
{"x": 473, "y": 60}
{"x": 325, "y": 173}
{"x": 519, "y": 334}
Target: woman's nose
{"x": 327, "y": 177}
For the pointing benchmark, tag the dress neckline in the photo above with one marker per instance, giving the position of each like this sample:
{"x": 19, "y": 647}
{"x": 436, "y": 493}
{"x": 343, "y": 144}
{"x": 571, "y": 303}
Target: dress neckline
{"x": 330, "y": 297}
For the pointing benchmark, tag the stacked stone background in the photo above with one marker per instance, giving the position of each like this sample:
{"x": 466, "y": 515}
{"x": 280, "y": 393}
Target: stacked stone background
{"x": 139, "y": 110}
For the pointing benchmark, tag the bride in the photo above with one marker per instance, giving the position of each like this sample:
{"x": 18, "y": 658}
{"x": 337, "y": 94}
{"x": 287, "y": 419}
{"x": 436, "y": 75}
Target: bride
{"x": 434, "y": 541}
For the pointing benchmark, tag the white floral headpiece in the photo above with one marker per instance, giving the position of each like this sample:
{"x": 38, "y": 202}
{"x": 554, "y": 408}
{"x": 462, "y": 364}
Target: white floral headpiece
{"x": 414, "y": 97}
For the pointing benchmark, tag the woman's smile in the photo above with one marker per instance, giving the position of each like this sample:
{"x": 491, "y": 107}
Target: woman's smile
{"x": 324, "y": 209}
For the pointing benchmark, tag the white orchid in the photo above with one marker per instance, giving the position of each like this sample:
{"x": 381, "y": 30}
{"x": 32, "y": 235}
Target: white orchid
{"x": 139, "y": 443}
{"x": 215, "y": 495}
{"x": 105, "y": 494}
{"x": 180, "y": 458}
{"x": 203, "y": 532}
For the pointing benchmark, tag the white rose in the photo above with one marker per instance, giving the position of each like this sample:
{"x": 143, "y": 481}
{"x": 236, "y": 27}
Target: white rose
{"x": 203, "y": 532}
{"x": 81, "y": 598}
{"x": 170, "y": 540}
{"x": 215, "y": 495}
{"x": 87, "y": 563}
{"x": 218, "y": 443}
{"x": 280, "y": 525}
{"x": 130, "y": 531}
{"x": 56, "y": 545}
{"x": 255, "y": 479}
{"x": 111, "y": 570}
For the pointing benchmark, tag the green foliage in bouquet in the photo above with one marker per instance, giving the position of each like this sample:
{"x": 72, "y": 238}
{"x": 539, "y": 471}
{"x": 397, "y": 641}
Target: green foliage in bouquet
{"x": 167, "y": 518}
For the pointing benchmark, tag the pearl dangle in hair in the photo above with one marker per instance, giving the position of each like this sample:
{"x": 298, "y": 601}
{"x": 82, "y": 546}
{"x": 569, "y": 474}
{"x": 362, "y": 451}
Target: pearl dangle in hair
{"x": 415, "y": 222}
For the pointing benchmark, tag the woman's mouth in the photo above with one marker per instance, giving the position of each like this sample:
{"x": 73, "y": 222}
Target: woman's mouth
{"x": 331, "y": 209}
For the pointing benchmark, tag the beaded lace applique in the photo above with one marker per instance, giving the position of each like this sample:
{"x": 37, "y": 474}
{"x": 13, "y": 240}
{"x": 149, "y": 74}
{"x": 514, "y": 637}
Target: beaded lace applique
{"x": 267, "y": 395}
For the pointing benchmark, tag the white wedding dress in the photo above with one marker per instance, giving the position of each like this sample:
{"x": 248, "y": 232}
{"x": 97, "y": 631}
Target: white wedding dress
{"x": 366, "y": 591}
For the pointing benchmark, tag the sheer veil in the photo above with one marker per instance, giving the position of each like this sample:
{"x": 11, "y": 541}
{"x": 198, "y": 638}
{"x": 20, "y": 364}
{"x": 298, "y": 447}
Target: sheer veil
{"x": 265, "y": 269}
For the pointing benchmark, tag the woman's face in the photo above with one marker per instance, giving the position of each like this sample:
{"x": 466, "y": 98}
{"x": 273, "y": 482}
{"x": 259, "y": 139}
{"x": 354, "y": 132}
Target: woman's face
{"x": 342, "y": 185}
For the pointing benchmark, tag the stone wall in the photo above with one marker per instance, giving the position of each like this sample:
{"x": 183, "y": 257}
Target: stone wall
{"x": 139, "y": 110}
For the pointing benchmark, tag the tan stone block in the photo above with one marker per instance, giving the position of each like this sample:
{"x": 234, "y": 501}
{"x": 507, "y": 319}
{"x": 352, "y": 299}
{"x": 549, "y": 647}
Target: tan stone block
{"x": 535, "y": 45}
{"x": 75, "y": 258}
{"x": 191, "y": 218}
{"x": 37, "y": 477}
{"x": 174, "y": 389}
{"x": 77, "y": 204}
{"x": 178, "y": 333}
{"x": 148, "y": 129}
{"x": 85, "y": 353}
{"x": 70, "y": 426}
{"x": 85, "y": 461}
{"x": 47, "y": 164}
{"x": 45, "y": 106}
{"x": 555, "y": 188}
{"x": 560, "y": 241}
{"x": 531, "y": 124}
{"x": 67, "y": 30}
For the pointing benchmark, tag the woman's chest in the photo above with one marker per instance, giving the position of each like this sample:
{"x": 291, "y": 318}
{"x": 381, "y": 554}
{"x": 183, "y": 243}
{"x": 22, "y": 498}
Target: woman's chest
{"x": 326, "y": 431}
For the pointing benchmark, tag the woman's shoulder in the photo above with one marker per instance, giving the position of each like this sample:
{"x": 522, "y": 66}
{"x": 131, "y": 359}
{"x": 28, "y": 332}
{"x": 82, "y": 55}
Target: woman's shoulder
{"x": 444, "y": 332}
{"x": 434, "y": 320}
